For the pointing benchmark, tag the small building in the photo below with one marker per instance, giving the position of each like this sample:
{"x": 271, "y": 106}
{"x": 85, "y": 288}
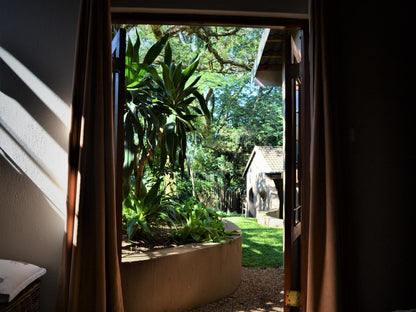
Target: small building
{"x": 264, "y": 180}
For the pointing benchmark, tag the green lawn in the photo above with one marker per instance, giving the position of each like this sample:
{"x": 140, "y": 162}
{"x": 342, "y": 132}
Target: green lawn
{"x": 262, "y": 245}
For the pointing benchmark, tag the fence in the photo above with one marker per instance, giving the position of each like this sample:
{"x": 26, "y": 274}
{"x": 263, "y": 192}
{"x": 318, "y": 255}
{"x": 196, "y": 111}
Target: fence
{"x": 231, "y": 201}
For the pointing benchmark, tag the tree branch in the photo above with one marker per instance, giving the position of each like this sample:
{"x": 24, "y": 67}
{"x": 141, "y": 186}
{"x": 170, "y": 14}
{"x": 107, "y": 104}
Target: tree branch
{"x": 206, "y": 38}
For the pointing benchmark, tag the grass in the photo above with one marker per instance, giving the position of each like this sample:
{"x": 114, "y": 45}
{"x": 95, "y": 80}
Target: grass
{"x": 262, "y": 245}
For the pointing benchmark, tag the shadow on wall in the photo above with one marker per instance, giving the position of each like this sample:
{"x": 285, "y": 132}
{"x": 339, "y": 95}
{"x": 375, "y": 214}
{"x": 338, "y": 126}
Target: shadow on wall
{"x": 266, "y": 194}
{"x": 31, "y": 147}
{"x": 34, "y": 124}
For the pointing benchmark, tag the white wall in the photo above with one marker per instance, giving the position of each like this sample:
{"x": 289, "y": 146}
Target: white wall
{"x": 36, "y": 64}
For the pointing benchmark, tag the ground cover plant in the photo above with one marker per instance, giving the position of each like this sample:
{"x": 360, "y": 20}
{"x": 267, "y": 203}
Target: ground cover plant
{"x": 161, "y": 222}
{"x": 262, "y": 245}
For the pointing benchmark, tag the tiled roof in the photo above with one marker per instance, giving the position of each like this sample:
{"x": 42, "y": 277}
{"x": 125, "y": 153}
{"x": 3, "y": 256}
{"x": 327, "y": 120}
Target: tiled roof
{"x": 273, "y": 156}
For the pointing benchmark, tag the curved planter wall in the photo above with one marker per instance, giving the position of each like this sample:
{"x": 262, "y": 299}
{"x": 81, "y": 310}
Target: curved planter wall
{"x": 180, "y": 278}
{"x": 269, "y": 218}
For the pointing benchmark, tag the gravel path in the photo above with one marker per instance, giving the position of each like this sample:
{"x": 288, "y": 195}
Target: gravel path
{"x": 260, "y": 290}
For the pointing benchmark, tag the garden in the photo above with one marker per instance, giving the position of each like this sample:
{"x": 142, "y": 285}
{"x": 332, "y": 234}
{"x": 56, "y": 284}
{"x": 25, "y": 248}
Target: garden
{"x": 191, "y": 119}
{"x": 159, "y": 114}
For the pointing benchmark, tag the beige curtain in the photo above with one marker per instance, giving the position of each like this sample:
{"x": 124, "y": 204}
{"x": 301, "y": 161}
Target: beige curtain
{"x": 90, "y": 275}
{"x": 323, "y": 259}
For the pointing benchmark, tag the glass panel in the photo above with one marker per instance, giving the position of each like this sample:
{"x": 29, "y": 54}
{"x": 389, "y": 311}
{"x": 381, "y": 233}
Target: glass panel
{"x": 298, "y": 195}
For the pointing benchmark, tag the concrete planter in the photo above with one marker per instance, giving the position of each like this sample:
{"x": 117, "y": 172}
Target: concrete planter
{"x": 269, "y": 218}
{"x": 181, "y": 278}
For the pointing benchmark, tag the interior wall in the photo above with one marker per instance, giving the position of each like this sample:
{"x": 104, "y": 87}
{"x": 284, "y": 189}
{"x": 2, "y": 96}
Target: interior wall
{"x": 372, "y": 97}
{"x": 37, "y": 43}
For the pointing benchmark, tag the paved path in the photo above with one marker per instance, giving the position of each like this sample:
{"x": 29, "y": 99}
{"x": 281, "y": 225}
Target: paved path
{"x": 260, "y": 290}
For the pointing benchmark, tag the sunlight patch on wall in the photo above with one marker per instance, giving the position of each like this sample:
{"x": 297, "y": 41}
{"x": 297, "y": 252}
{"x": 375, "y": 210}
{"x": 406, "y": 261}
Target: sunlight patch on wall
{"x": 42, "y": 91}
{"x": 34, "y": 152}
{"x": 39, "y": 145}
{"x": 10, "y": 161}
{"x": 26, "y": 145}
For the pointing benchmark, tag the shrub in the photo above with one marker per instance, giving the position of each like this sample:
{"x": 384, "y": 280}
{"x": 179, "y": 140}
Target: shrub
{"x": 200, "y": 224}
{"x": 153, "y": 210}
{"x": 182, "y": 223}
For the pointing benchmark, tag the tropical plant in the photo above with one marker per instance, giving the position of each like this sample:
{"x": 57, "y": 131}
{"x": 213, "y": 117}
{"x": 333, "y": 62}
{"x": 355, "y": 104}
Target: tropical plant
{"x": 154, "y": 209}
{"x": 160, "y": 111}
{"x": 200, "y": 224}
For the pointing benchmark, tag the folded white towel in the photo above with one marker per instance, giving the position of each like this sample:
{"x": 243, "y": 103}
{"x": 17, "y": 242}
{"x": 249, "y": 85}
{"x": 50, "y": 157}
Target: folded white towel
{"x": 15, "y": 276}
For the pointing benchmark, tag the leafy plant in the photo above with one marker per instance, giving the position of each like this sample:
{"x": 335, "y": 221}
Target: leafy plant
{"x": 152, "y": 209}
{"x": 185, "y": 223}
{"x": 200, "y": 224}
{"x": 159, "y": 113}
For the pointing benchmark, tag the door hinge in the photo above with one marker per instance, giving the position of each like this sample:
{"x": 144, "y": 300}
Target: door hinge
{"x": 295, "y": 70}
{"x": 293, "y": 298}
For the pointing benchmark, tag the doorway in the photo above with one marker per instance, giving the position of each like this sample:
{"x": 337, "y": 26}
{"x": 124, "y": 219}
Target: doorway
{"x": 297, "y": 123}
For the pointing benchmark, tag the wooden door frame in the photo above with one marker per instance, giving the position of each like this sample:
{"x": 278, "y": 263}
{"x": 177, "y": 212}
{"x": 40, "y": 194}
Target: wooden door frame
{"x": 296, "y": 235}
{"x": 255, "y": 22}
{"x": 118, "y": 44}
{"x": 306, "y": 151}
{"x": 292, "y": 232}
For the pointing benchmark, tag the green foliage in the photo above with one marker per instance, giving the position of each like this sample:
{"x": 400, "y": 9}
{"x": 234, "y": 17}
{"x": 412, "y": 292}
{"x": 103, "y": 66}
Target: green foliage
{"x": 159, "y": 113}
{"x": 214, "y": 99}
{"x": 243, "y": 116}
{"x": 141, "y": 119}
{"x": 237, "y": 115}
{"x": 200, "y": 224}
{"x": 262, "y": 245}
{"x": 225, "y": 49}
{"x": 152, "y": 209}
{"x": 186, "y": 222}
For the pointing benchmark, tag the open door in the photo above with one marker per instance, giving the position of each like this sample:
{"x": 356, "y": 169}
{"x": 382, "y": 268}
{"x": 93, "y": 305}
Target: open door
{"x": 296, "y": 188}
{"x": 118, "y": 50}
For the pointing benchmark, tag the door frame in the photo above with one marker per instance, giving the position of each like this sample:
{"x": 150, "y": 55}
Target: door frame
{"x": 126, "y": 17}
{"x": 297, "y": 173}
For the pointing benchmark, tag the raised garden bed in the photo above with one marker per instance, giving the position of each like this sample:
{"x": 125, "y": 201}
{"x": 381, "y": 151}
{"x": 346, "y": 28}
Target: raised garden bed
{"x": 182, "y": 277}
